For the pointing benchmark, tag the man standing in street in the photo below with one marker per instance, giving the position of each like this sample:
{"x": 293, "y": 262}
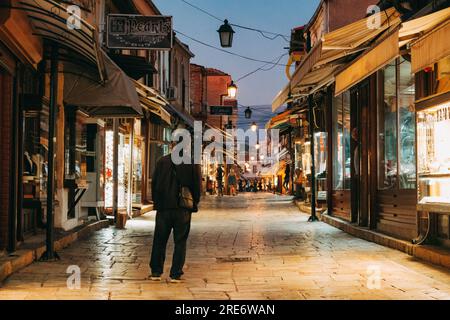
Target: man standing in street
{"x": 166, "y": 183}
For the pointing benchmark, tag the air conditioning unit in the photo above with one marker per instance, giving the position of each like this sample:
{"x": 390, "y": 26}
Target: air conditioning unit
{"x": 172, "y": 93}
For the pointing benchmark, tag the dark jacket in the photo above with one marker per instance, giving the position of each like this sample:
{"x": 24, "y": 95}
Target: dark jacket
{"x": 165, "y": 186}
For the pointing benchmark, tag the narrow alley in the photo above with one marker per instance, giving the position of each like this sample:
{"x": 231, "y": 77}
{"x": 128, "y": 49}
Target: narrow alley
{"x": 253, "y": 246}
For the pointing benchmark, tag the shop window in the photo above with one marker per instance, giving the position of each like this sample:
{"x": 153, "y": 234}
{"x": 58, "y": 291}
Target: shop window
{"x": 407, "y": 128}
{"x": 341, "y": 142}
{"x": 35, "y": 149}
{"x": 396, "y": 129}
{"x": 75, "y": 146}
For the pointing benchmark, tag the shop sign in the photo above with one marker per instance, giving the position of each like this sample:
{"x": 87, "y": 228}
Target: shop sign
{"x": 129, "y": 31}
{"x": 221, "y": 110}
{"x": 322, "y": 196}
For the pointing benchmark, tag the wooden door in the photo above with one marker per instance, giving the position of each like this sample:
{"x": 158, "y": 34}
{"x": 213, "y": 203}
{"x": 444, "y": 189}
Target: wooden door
{"x": 360, "y": 148}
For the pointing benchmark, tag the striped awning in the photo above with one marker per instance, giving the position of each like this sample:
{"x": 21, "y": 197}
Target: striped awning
{"x": 152, "y": 101}
{"x": 423, "y": 52}
{"x": 184, "y": 117}
{"x": 328, "y": 53}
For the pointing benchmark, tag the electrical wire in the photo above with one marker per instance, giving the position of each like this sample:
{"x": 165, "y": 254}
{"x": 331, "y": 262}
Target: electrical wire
{"x": 256, "y": 110}
{"x": 264, "y": 33}
{"x": 202, "y": 10}
{"x": 229, "y": 52}
{"x": 275, "y": 61}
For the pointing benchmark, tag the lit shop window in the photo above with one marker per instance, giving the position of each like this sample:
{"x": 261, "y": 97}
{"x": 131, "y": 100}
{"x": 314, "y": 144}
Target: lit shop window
{"x": 396, "y": 129}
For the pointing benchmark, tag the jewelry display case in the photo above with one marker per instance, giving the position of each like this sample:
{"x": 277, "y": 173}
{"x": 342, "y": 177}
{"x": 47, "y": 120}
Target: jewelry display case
{"x": 433, "y": 155}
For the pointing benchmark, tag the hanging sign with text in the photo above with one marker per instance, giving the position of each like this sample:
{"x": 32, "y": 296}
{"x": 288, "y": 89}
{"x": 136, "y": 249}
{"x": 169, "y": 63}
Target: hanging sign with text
{"x": 128, "y": 31}
{"x": 221, "y": 110}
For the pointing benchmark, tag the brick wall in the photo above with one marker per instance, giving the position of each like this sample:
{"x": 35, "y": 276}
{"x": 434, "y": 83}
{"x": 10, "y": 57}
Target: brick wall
{"x": 343, "y": 12}
{"x": 198, "y": 88}
{"x": 5, "y": 155}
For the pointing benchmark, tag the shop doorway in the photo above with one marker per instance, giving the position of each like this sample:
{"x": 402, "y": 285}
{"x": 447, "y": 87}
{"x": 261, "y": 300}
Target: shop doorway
{"x": 359, "y": 146}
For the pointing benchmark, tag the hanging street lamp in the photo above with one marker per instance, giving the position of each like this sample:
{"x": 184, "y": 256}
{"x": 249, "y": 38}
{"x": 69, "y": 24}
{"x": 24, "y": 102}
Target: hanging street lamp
{"x": 254, "y": 126}
{"x": 226, "y": 33}
{"x": 232, "y": 90}
{"x": 248, "y": 113}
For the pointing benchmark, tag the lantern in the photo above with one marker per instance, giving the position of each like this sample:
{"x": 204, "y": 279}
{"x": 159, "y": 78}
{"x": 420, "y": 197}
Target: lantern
{"x": 232, "y": 90}
{"x": 248, "y": 113}
{"x": 226, "y": 33}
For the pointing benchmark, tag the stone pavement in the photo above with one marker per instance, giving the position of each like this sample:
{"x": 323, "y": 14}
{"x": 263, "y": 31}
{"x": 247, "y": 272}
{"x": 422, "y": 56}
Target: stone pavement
{"x": 254, "y": 246}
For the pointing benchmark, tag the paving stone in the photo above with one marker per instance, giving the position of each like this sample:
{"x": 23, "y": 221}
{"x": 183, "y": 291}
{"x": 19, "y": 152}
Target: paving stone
{"x": 289, "y": 259}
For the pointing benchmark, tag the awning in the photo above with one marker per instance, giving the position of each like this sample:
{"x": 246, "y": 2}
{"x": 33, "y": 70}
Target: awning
{"x": 152, "y": 101}
{"x": 387, "y": 49}
{"x": 186, "y": 118}
{"x": 280, "y": 120}
{"x": 431, "y": 48}
{"x": 311, "y": 82}
{"x": 113, "y": 98}
{"x": 134, "y": 66}
{"x": 49, "y": 21}
{"x": 333, "y": 46}
{"x": 367, "y": 64}
{"x": 415, "y": 28}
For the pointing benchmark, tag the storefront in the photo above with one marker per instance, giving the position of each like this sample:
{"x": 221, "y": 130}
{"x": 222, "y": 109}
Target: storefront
{"x": 341, "y": 156}
{"x": 396, "y": 140}
{"x": 433, "y": 155}
{"x": 129, "y": 166}
{"x": 152, "y": 140}
{"x": 6, "y": 105}
{"x": 18, "y": 52}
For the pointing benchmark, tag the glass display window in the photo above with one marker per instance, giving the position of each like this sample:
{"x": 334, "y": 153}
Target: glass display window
{"x": 109, "y": 167}
{"x": 433, "y": 126}
{"x": 75, "y": 146}
{"x": 341, "y": 142}
{"x": 35, "y": 158}
{"x": 396, "y": 127}
{"x": 137, "y": 170}
{"x": 122, "y": 167}
{"x": 320, "y": 150}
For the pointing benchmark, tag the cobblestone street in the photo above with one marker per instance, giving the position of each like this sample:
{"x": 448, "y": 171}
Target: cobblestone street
{"x": 253, "y": 246}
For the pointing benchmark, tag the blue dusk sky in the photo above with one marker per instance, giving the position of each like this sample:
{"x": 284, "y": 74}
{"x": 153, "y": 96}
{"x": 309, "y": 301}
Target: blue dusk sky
{"x": 278, "y": 16}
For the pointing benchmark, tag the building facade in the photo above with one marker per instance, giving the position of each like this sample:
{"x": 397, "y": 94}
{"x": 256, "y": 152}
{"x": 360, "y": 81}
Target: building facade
{"x": 106, "y": 140}
{"x": 378, "y": 113}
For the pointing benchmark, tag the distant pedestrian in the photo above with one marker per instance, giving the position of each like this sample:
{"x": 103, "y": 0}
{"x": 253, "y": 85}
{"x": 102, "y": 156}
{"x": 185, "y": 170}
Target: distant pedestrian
{"x": 255, "y": 185}
{"x": 232, "y": 182}
{"x": 219, "y": 178}
{"x": 167, "y": 184}
{"x": 241, "y": 185}
{"x": 300, "y": 184}
{"x": 287, "y": 177}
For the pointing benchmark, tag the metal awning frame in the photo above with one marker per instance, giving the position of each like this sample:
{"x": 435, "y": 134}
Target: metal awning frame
{"x": 83, "y": 41}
